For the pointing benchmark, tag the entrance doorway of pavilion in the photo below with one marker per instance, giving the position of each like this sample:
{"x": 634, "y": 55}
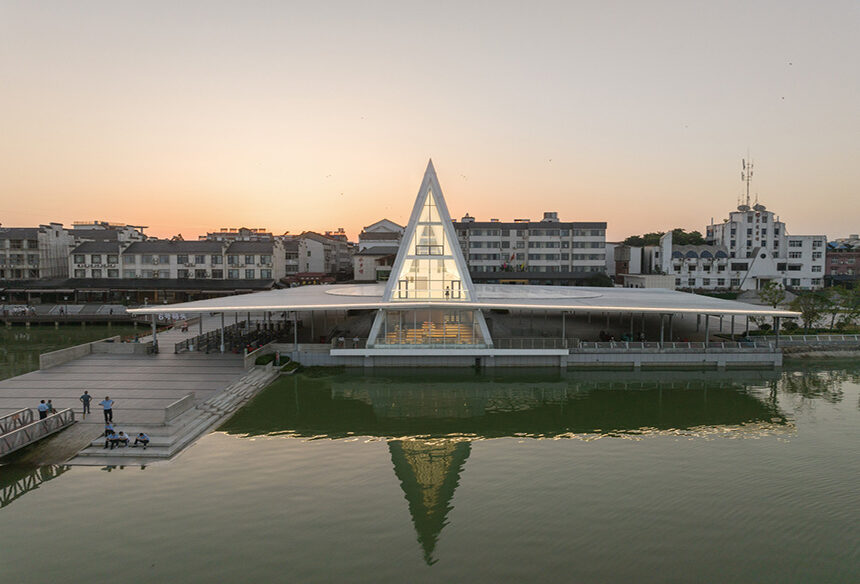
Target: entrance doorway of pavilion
{"x": 430, "y": 327}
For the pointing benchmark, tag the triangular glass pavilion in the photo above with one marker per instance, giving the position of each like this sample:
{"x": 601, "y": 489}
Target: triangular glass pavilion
{"x": 430, "y": 276}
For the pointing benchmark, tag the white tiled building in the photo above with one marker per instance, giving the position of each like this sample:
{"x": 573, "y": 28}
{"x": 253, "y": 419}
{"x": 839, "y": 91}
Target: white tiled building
{"x": 183, "y": 260}
{"x": 377, "y": 246}
{"x": 32, "y": 253}
{"x": 749, "y": 249}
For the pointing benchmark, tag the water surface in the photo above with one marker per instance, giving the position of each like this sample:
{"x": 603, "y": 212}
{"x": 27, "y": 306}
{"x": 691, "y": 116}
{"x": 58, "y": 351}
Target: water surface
{"x": 21, "y": 346}
{"x": 458, "y": 476}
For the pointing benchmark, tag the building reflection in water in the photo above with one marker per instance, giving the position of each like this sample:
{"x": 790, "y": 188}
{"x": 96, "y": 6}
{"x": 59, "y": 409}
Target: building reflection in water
{"x": 15, "y": 482}
{"x": 430, "y": 420}
{"x": 429, "y": 472}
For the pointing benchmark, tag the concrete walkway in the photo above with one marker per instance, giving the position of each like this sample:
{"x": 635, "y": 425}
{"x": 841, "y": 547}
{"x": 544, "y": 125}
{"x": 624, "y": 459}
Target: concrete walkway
{"x": 142, "y": 386}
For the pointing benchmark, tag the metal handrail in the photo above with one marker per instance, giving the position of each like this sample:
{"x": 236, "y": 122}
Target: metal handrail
{"x": 700, "y": 347}
{"x": 349, "y": 343}
{"x": 533, "y": 343}
{"x": 16, "y": 420}
{"x": 815, "y": 338}
{"x": 34, "y": 431}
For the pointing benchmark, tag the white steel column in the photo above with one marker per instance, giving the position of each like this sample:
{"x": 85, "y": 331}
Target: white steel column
{"x": 222, "y": 332}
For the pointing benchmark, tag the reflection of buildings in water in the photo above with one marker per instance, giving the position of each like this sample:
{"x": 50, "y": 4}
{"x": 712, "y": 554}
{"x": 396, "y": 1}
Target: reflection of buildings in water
{"x": 503, "y": 407}
{"x": 17, "y": 482}
{"x": 429, "y": 472}
{"x": 430, "y": 421}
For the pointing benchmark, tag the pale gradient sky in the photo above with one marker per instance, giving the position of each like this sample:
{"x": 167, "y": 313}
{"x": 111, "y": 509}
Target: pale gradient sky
{"x": 194, "y": 115}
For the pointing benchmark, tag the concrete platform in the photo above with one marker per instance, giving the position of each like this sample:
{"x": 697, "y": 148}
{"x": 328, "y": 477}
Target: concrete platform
{"x": 141, "y": 385}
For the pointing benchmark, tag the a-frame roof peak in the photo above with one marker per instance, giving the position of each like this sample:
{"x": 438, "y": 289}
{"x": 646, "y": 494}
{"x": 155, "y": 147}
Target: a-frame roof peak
{"x": 429, "y": 263}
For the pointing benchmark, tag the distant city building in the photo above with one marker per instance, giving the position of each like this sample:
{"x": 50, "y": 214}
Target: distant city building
{"x": 34, "y": 253}
{"x": 626, "y": 259}
{"x": 319, "y": 254}
{"x": 383, "y": 233}
{"x": 549, "y": 251}
{"x": 308, "y": 279}
{"x": 338, "y": 234}
{"x": 377, "y": 247}
{"x": 179, "y": 260}
{"x": 843, "y": 260}
{"x": 238, "y": 234}
{"x": 749, "y": 249}
{"x": 106, "y": 231}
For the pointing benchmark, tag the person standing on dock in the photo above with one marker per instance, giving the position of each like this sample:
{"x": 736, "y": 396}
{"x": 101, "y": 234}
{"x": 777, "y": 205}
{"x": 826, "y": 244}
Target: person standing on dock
{"x": 43, "y": 410}
{"x": 51, "y": 409}
{"x": 86, "y": 399}
{"x": 107, "y": 404}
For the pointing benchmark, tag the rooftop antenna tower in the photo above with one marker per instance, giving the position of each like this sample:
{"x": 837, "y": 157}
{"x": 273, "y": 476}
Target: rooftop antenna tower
{"x": 746, "y": 176}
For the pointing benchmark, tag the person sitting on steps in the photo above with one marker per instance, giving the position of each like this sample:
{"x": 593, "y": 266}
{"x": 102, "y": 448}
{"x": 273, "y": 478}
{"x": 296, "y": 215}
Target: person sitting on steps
{"x": 143, "y": 439}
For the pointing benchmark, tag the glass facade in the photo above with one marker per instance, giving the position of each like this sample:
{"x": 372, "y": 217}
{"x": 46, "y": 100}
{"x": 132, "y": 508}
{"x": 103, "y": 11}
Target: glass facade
{"x": 429, "y": 270}
{"x": 435, "y": 327}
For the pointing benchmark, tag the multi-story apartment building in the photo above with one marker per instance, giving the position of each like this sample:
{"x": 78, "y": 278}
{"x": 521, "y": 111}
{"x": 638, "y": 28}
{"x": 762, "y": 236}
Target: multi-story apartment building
{"x": 321, "y": 254}
{"x": 749, "y": 249}
{"x": 547, "y": 251}
{"x": 178, "y": 260}
{"x": 239, "y": 234}
{"x": 106, "y": 231}
{"x": 33, "y": 253}
{"x": 377, "y": 247}
{"x": 843, "y": 261}
{"x": 383, "y": 233}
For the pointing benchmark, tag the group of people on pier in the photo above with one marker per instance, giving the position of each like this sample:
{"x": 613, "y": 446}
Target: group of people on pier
{"x": 114, "y": 439}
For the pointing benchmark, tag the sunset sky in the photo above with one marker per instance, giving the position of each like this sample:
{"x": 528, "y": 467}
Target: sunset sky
{"x": 190, "y": 116}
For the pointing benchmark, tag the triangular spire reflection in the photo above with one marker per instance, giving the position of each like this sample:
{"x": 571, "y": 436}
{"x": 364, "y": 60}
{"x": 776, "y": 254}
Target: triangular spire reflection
{"x": 429, "y": 472}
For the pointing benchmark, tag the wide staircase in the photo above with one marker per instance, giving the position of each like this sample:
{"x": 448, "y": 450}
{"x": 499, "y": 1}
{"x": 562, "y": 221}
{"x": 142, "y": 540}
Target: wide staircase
{"x": 430, "y": 333}
{"x": 168, "y": 439}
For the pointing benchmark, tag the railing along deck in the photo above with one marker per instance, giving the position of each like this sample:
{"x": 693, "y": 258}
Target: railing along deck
{"x": 812, "y": 339}
{"x": 754, "y": 346}
{"x": 15, "y": 420}
{"x": 26, "y": 435}
{"x": 574, "y": 345}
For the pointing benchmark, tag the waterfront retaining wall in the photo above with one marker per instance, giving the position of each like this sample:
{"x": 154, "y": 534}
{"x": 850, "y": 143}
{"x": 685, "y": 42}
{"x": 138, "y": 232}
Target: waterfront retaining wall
{"x": 122, "y": 348}
{"x": 60, "y": 356}
{"x": 321, "y": 355}
{"x": 675, "y": 359}
{"x": 181, "y": 405}
{"x": 109, "y": 345}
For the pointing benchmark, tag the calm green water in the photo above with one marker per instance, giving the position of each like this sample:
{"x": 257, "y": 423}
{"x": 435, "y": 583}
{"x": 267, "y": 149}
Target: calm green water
{"x": 460, "y": 477}
{"x": 20, "y": 347}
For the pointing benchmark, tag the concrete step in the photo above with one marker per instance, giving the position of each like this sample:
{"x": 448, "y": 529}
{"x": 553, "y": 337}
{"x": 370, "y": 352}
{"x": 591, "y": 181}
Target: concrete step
{"x": 112, "y": 461}
{"x": 188, "y": 418}
{"x": 151, "y": 452}
{"x": 153, "y": 441}
{"x": 167, "y": 440}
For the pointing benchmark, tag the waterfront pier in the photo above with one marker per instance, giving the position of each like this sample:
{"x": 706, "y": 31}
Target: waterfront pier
{"x": 164, "y": 394}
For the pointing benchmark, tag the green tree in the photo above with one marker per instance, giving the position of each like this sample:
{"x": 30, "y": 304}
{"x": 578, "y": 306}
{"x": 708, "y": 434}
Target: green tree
{"x": 833, "y": 306}
{"x": 601, "y": 280}
{"x": 679, "y": 237}
{"x": 810, "y": 306}
{"x": 849, "y": 303}
{"x": 652, "y": 238}
{"x": 772, "y": 294}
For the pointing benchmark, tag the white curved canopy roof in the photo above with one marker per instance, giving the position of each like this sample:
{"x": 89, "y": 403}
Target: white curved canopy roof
{"x": 488, "y": 296}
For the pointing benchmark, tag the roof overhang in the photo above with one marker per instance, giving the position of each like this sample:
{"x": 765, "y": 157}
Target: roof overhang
{"x": 536, "y": 298}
